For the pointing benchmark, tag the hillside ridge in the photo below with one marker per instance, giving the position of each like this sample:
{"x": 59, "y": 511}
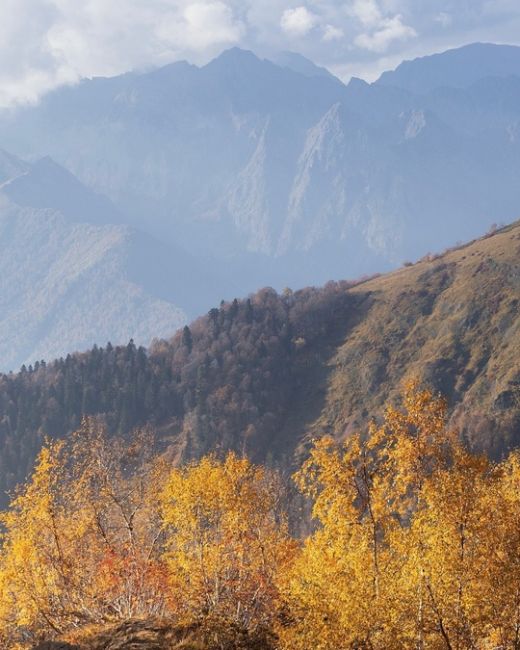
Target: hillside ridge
{"x": 264, "y": 375}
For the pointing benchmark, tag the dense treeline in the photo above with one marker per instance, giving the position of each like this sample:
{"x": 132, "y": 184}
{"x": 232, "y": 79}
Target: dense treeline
{"x": 416, "y": 543}
{"x": 228, "y": 377}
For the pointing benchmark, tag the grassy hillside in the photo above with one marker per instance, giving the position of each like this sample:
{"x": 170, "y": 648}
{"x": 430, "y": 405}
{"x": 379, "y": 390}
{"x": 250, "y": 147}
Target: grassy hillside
{"x": 452, "y": 321}
{"x": 264, "y": 374}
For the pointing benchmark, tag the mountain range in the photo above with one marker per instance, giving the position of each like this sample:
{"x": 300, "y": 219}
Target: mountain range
{"x": 169, "y": 190}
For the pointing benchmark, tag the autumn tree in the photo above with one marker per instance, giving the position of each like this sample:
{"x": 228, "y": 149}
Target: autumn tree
{"x": 81, "y": 540}
{"x": 35, "y": 569}
{"x": 503, "y": 546}
{"x": 415, "y": 543}
{"x": 347, "y": 586}
{"x": 448, "y": 555}
{"x": 116, "y": 485}
{"x": 341, "y": 588}
{"x": 226, "y": 540}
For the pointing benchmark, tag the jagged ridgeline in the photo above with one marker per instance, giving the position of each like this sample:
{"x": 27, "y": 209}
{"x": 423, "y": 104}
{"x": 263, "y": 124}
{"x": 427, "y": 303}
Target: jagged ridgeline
{"x": 263, "y": 374}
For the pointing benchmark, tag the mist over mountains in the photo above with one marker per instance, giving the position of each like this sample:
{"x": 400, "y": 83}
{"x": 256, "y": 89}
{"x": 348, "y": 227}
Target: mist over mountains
{"x": 458, "y": 68}
{"x": 71, "y": 272}
{"x": 169, "y": 190}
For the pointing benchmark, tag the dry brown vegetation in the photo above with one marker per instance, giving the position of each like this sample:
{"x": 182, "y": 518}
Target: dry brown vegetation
{"x": 455, "y": 323}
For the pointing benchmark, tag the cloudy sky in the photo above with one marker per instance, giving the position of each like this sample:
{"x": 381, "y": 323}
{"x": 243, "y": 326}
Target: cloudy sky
{"x": 45, "y": 43}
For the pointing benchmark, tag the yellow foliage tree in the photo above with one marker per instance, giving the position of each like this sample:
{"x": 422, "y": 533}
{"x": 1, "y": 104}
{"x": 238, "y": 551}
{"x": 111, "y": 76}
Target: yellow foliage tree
{"x": 347, "y": 587}
{"x": 340, "y": 588}
{"x": 80, "y": 541}
{"x": 497, "y": 571}
{"x": 35, "y": 566}
{"x": 226, "y": 540}
{"x": 416, "y": 544}
{"x": 446, "y": 544}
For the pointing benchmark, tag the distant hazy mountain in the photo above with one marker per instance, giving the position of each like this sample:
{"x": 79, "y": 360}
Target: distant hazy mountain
{"x": 457, "y": 68}
{"x": 264, "y": 173}
{"x": 298, "y": 63}
{"x": 45, "y": 184}
{"x": 282, "y": 174}
{"x": 71, "y": 276}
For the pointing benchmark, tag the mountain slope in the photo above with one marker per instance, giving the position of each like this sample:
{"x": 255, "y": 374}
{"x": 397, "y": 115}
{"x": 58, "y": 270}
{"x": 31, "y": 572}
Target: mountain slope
{"x": 72, "y": 274}
{"x": 456, "y": 68}
{"x": 66, "y": 286}
{"x": 301, "y": 64}
{"x": 45, "y": 184}
{"x": 291, "y": 174}
{"x": 453, "y": 322}
{"x": 263, "y": 375}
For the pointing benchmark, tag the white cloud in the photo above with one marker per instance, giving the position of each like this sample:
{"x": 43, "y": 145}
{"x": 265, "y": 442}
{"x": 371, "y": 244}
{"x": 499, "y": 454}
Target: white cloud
{"x": 332, "y": 33}
{"x": 298, "y": 21}
{"x": 45, "y": 43}
{"x": 443, "y": 18}
{"x": 388, "y": 31}
{"x": 199, "y": 26}
{"x": 366, "y": 11}
{"x": 379, "y": 30}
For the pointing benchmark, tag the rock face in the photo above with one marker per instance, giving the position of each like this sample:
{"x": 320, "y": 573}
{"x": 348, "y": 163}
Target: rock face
{"x": 281, "y": 173}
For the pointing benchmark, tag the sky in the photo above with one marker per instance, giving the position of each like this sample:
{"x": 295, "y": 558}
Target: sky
{"x": 46, "y": 43}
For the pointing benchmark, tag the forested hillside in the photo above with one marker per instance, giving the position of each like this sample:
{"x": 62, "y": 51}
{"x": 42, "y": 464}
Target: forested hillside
{"x": 228, "y": 381}
{"x": 263, "y": 374}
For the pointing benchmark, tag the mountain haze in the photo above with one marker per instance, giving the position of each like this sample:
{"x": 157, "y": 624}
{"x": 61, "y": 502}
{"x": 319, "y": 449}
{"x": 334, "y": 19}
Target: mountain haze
{"x": 300, "y": 64}
{"x": 283, "y": 167}
{"x": 172, "y": 189}
{"x": 73, "y": 274}
{"x": 458, "y": 68}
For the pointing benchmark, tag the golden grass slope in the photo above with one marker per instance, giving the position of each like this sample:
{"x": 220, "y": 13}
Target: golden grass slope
{"x": 452, "y": 321}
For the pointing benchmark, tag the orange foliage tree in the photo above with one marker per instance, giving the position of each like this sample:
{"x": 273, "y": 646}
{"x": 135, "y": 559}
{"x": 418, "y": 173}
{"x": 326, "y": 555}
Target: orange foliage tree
{"x": 105, "y": 531}
{"x": 81, "y": 541}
